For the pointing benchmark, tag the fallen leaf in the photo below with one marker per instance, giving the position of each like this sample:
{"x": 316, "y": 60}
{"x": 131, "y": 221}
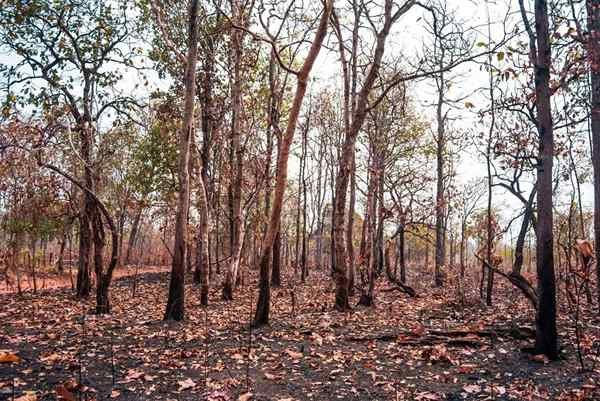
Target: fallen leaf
{"x": 63, "y": 393}
{"x": 71, "y": 384}
{"x": 50, "y": 358}
{"x": 186, "y": 384}
{"x": 245, "y": 397}
{"x": 293, "y": 354}
{"x": 271, "y": 376}
{"x": 8, "y": 357}
{"x": 472, "y": 388}
{"x": 28, "y": 396}
{"x": 541, "y": 358}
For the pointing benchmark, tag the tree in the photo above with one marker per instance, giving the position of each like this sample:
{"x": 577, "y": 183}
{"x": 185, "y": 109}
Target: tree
{"x": 261, "y": 316}
{"x": 390, "y": 16}
{"x": 175, "y": 309}
{"x": 67, "y": 46}
{"x": 546, "y": 340}
{"x": 593, "y": 12}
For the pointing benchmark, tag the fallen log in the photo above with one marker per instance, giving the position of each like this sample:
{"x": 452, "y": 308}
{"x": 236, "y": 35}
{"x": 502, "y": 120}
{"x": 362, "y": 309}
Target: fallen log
{"x": 435, "y": 340}
{"x": 458, "y": 337}
{"x": 517, "y": 280}
{"x": 400, "y": 286}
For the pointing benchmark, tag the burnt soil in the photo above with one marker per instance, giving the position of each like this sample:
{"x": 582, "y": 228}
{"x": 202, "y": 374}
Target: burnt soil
{"x": 425, "y": 348}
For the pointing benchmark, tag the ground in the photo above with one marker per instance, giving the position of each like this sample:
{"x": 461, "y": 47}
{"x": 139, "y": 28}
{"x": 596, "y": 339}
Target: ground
{"x": 433, "y": 347}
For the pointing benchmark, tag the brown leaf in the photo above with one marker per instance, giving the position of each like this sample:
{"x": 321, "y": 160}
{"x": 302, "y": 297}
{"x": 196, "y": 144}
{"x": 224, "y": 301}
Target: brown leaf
{"x": 293, "y": 354}
{"x": 71, "y": 384}
{"x": 271, "y": 376}
{"x": 28, "y": 396}
{"x": 245, "y": 397}
{"x": 472, "y": 388}
{"x": 9, "y": 357}
{"x": 64, "y": 394}
{"x": 186, "y": 384}
{"x": 541, "y": 358}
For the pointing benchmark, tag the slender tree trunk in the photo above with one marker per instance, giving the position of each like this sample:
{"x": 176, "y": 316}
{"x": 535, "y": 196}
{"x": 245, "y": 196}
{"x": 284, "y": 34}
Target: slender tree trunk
{"x": 202, "y": 248}
{"x": 593, "y": 11}
{"x": 379, "y": 244}
{"x": 488, "y": 155}
{"x": 298, "y": 211}
{"x": 263, "y": 306}
{"x": 463, "y": 229}
{"x": 276, "y": 273}
{"x": 401, "y": 250}
{"x": 276, "y": 254}
{"x": 133, "y": 235}
{"x": 85, "y": 235}
{"x": 61, "y": 253}
{"x": 350, "y": 229}
{"x": 304, "y": 263}
{"x": 440, "y": 203}
{"x": 98, "y": 234}
{"x": 237, "y": 157}
{"x": 175, "y": 309}
{"x": 546, "y": 341}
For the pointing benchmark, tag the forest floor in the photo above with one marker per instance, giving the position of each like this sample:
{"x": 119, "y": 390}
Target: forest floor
{"x": 432, "y": 347}
{"x": 52, "y": 280}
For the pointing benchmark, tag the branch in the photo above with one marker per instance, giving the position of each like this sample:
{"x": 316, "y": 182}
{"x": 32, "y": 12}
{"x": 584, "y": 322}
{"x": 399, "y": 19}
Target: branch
{"x": 165, "y": 35}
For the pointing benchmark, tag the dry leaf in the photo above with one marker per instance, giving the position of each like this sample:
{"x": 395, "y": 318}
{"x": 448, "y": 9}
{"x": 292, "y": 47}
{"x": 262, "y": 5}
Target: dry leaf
{"x": 245, "y": 397}
{"x": 71, "y": 384}
{"x": 63, "y": 393}
{"x": 293, "y": 354}
{"x": 8, "y": 357}
{"x": 28, "y": 396}
{"x": 186, "y": 384}
{"x": 472, "y": 388}
{"x": 541, "y": 358}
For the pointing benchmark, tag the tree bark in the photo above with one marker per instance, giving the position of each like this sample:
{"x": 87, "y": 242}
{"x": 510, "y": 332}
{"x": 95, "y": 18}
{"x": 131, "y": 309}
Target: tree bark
{"x": 175, "y": 309}
{"x": 350, "y": 229}
{"x": 440, "y": 203}
{"x": 202, "y": 250}
{"x": 401, "y": 255}
{"x": 133, "y": 235}
{"x": 546, "y": 340}
{"x": 84, "y": 285}
{"x": 237, "y": 156}
{"x": 593, "y": 11}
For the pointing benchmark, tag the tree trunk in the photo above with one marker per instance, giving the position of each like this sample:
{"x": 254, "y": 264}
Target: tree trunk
{"x": 61, "y": 254}
{"x": 133, "y": 235}
{"x": 350, "y": 229}
{"x": 84, "y": 285}
{"x": 236, "y": 158}
{"x": 401, "y": 249}
{"x": 175, "y": 309}
{"x": 440, "y": 203}
{"x": 263, "y": 305}
{"x": 201, "y": 273}
{"x": 366, "y": 298}
{"x": 276, "y": 273}
{"x": 546, "y": 340}
{"x": 593, "y": 10}
{"x": 463, "y": 229}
